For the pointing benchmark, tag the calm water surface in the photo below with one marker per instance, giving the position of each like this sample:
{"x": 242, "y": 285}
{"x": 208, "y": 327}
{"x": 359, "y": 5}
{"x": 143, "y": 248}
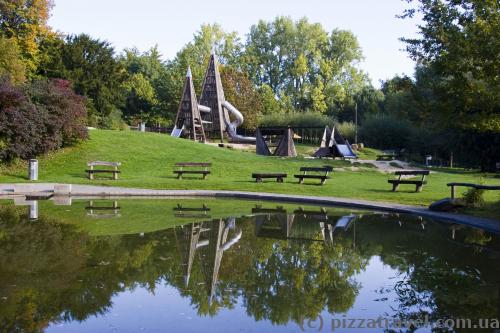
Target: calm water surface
{"x": 237, "y": 266}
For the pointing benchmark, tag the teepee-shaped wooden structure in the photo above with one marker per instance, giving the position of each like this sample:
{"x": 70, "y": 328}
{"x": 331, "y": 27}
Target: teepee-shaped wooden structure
{"x": 212, "y": 95}
{"x": 188, "y": 115}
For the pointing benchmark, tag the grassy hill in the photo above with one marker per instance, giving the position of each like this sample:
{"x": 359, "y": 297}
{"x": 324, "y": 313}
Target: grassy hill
{"x": 148, "y": 159}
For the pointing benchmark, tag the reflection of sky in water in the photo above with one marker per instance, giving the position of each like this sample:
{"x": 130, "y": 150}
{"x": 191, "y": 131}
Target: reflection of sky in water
{"x": 166, "y": 311}
{"x": 141, "y": 311}
{"x": 346, "y": 260}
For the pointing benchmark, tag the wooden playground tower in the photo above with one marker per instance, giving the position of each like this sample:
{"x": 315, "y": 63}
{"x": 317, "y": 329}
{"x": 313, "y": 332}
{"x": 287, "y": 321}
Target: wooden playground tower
{"x": 204, "y": 120}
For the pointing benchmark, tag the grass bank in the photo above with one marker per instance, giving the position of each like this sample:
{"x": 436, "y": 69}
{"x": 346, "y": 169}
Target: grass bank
{"x": 148, "y": 159}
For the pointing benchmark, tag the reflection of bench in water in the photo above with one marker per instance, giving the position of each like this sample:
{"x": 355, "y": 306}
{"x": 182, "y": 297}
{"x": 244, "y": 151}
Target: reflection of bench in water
{"x": 259, "y": 210}
{"x": 277, "y": 226}
{"x": 188, "y": 211}
{"x": 108, "y": 211}
{"x": 321, "y": 215}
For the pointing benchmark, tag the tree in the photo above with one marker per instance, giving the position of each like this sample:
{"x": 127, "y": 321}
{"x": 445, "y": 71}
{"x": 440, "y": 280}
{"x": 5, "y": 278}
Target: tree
{"x": 26, "y": 22}
{"x": 460, "y": 42}
{"x": 153, "y": 72}
{"x": 304, "y": 64}
{"x": 10, "y": 63}
{"x": 458, "y": 53}
{"x": 92, "y": 68}
{"x": 240, "y": 91}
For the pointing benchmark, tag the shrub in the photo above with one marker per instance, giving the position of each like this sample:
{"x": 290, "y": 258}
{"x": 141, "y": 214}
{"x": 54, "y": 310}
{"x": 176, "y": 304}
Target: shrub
{"x": 385, "y": 132}
{"x": 474, "y": 197}
{"x": 297, "y": 119}
{"x": 347, "y": 130}
{"x": 40, "y": 117}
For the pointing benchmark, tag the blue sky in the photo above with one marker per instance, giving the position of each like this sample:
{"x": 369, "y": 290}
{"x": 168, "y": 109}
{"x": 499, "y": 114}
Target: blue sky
{"x": 171, "y": 24}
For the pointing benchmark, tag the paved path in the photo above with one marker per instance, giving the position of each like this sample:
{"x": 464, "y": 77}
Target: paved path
{"x": 10, "y": 190}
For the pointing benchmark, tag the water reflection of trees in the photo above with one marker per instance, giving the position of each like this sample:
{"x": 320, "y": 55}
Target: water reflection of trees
{"x": 54, "y": 272}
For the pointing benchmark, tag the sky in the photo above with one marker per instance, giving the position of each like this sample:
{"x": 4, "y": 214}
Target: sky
{"x": 171, "y": 24}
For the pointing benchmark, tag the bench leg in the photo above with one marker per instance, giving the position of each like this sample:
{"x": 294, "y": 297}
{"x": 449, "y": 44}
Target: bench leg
{"x": 419, "y": 188}
{"x": 279, "y": 179}
{"x": 204, "y": 176}
{"x": 115, "y": 175}
{"x": 395, "y": 187}
{"x": 91, "y": 175}
{"x": 323, "y": 181}
{"x": 453, "y": 192}
{"x": 301, "y": 180}
{"x": 258, "y": 180}
{"x": 179, "y": 176}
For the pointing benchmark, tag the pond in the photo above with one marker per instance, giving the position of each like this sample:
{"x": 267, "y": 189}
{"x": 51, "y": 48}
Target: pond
{"x": 194, "y": 265}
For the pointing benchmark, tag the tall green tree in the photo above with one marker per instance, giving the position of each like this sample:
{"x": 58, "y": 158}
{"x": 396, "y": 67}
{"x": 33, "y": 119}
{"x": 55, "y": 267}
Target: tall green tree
{"x": 460, "y": 43}
{"x": 302, "y": 62}
{"x": 459, "y": 55}
{"x": 93, "y": 69}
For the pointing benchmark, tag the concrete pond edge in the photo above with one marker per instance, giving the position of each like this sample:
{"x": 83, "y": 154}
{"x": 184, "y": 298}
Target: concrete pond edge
{"x": 44, "y": 191}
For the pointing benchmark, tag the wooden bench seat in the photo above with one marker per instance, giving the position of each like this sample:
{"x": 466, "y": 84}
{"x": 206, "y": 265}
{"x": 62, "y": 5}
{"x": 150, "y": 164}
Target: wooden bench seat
{"x": 419, "y": 183}
{"x": 320, "y": 173}
{"x": 91, "y": 171}
{"x": 202, "y": 169}
{"x": 386, "y": 157}
{"x": 260, "y": 176}
{"x": 476, "y": 186}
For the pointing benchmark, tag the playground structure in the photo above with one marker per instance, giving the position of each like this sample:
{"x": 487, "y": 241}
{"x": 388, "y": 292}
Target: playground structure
{"x": 285, "y": 146}
{"x": 334, "y": 145}
{"x": 209, "y": 119}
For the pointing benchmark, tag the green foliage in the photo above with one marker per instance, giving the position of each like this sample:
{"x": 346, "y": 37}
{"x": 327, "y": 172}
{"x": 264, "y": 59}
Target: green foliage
{"x": 147, "y": 88}
{"x": 347, "y": 130}
{"x": 270, "y": 104}
{"x": 460, "y": 43}
{"x": 92, "y": 68}
{"x": 11, "y": 64}
{"x": 474, "y": 197}
{"x": 301, "y": 61}
{"x": 297, "y": 119}
{"x": 241, "y": 92}
{"x": 385, "y": 132}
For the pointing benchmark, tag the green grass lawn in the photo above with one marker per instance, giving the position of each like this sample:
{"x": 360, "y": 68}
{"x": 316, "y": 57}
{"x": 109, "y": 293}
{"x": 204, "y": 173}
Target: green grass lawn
{"x": 148, "y": 159}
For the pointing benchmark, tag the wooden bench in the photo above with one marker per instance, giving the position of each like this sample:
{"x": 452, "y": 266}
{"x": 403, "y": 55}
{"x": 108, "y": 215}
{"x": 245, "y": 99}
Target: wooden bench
{"x": 202, "y": 169}
{"x": 260, "y": 176}
{"x": 419, "y": 183}
{"x": 319, "y": 173}
{"x": 91, "y": 171}
{"x": 386, "y": 157}
{"x": 202, "y": 211}
{"x": 476, "y": 186}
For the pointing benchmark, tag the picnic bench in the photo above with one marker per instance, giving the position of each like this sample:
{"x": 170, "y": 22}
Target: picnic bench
{"x": 91, "y": 171}
{"x": 386, "y": 157}
{"x": 193, "y": 169}
{"x": 476, "y": 186}
{"x": 320, "y": 173}
{"x": 419, "y": 183}
{"x": 260, "y": 176}
{"x": 199, "y": 212}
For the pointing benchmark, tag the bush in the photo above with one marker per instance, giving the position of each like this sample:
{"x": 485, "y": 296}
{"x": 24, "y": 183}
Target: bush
{"x": 474, "y": 197}
{"x": 297, "y": 119}
{"x": 347, "y": 130}
{"x": 40, "y": 117}
{"x": 385, "y": 132}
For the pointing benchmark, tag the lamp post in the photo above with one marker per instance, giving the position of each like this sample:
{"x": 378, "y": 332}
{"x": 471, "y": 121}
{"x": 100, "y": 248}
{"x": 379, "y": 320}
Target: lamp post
{"x": 356, "y": 123}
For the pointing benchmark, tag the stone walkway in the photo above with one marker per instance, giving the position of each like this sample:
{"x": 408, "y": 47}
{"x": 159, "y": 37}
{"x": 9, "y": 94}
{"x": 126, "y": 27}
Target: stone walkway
{"x": 85, "y": 191}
